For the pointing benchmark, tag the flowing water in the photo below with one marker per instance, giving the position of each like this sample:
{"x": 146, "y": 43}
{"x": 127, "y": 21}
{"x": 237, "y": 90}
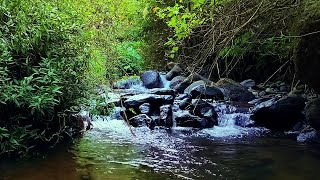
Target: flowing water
{"x": 111, "y": 150}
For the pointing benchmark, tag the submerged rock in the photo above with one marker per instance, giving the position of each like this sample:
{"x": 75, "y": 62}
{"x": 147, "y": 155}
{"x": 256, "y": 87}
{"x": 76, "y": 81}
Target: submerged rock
{"x": 281, "y": 115}
{"x": 151, "y": 79}
{"x": 235, "y": 91}
{"x": 312, "y": 112}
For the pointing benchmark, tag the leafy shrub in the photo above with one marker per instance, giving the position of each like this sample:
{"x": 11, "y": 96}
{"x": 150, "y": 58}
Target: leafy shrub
{"x": 45, "y": 48}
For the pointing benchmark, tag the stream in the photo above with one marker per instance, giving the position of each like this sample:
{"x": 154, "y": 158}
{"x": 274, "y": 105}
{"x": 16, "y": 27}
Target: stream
{"x": 113, "y": 150}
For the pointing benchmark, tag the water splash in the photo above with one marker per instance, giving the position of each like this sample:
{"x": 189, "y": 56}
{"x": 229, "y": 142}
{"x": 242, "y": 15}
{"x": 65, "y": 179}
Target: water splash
{"x": 232, "y": 124}
{"x": 164, "y": 81}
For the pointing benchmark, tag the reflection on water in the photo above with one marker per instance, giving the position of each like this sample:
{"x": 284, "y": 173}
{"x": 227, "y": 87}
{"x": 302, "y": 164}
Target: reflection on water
{"x": 111, "y": 151}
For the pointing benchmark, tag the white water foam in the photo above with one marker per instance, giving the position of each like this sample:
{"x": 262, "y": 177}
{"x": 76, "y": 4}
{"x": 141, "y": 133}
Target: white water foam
{"x": 232, "y": 124}
{"x": 165, "y": 82}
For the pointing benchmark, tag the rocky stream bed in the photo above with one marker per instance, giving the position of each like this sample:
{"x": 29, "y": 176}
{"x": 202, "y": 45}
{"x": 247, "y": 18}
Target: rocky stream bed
{"x": 182, "y": 126}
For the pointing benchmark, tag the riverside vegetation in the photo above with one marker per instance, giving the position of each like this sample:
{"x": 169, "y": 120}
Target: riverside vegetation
{"x": 55, "y": 53}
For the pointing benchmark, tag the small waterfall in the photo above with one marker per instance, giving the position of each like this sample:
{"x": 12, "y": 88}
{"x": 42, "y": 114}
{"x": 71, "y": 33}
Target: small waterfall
{"x": 232, "y": 123}
{"x": 164, "y": 81}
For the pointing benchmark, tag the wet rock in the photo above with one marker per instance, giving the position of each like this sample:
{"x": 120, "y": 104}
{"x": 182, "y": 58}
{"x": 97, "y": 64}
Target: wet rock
{"x": 243, "y": 120}
{"x": 248, "y": 83}
{"x": 162, "y": 91}
{"x": 312, "y": 112}
{"x": 234, "y": 90}
{"x": 310, "y": 135}
{"x": 189, "y": 80}
{"x": 185, "y": 119}
{"x": 207, "y": 92}
{"x": 281, "y": 115}
{"x": 175, "y": 71}
{"x": 182, "y": 85}
{"x": 145, "y": 108}
{"x": 193, "y": 85}
{"x": 153, "y": 99}
{"x": 126, "y": 83}
{"x": 183, "y": 100}
{"x": 82, "y": 121}
{"x": 166, "y": 116}
{"x": 205, "y": 110}
{"x": 176, "y": 80}
{"x": 151, "y": 79}
{"x": 142, "y": 120}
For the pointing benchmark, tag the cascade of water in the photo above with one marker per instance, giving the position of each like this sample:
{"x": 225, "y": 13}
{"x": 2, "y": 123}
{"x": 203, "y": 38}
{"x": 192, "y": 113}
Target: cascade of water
{"x": 231, "y": 123}
{"x": 164, "y": 81}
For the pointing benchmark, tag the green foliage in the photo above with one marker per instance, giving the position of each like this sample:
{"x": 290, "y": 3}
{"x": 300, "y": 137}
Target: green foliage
{"x": 130, "y": 61}
{"x": 45, "y": 48}
{"x": 183, "y": 17}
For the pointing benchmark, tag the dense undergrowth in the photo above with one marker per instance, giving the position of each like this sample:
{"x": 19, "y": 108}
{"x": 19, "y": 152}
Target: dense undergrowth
{"x": 54, "y": 53}
{"x": 239, "y": 39}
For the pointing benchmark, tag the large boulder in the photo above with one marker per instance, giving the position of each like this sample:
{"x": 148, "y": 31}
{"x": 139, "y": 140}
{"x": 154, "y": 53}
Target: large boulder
{"x": 162, "y": 91}
{"x": 206, "y": 91}
{"x": 280, "y": 115}
{"x": 151, "y": 79}
{"x": 142, "y": 120}
{"x": 182, "y": 85}
{"x": 182, "y": 100}
{"x": 189, "y": 80}
{"x": 185, "y": 119}
{"x": 193, "y": 85}
{"x": 153, "y": 99}
{"x": 176, "y": 80}
{"x": 312, "y": 112}
{"x": 175, "y": 71}
{"x": 205, "y": 110}
{"x": 166, "y": 116}
{"x": 234, "y": 90}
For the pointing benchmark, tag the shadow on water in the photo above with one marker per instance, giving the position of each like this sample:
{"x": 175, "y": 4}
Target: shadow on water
{"x": 110, "y": 151}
